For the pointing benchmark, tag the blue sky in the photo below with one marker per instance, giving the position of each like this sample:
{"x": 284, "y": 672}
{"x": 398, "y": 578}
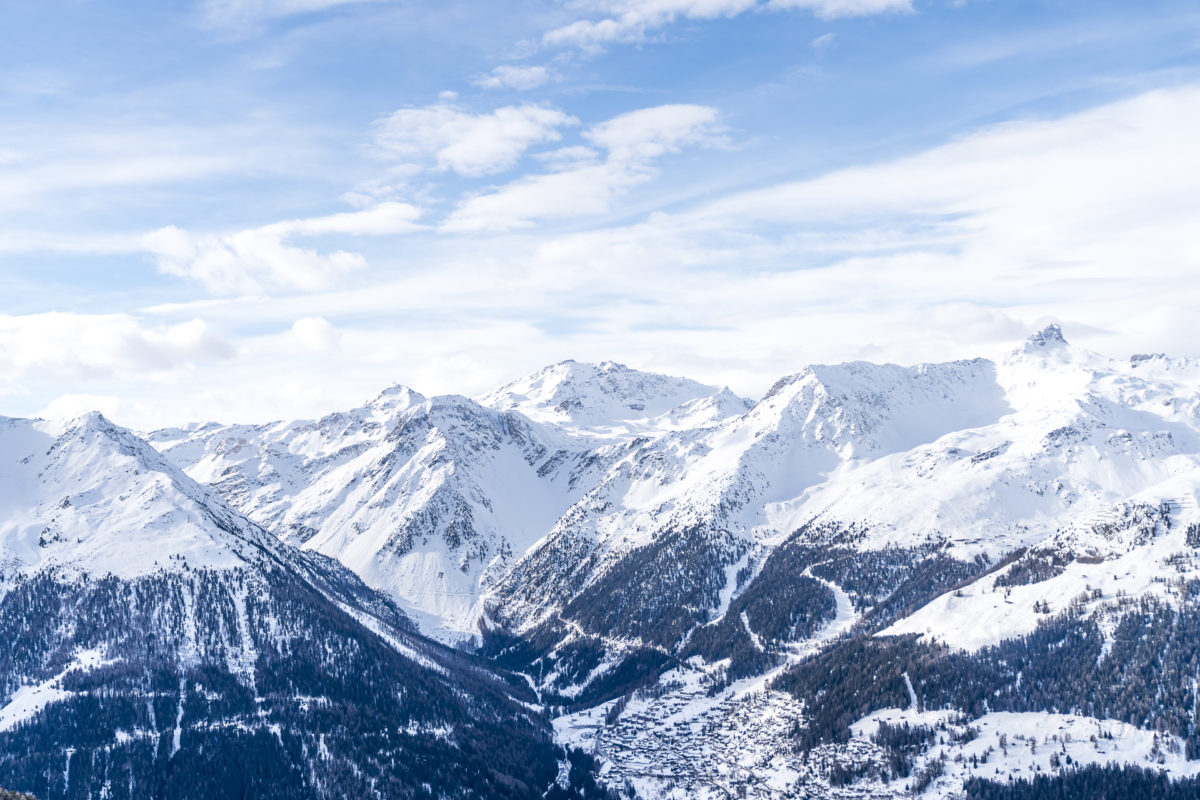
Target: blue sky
{"x": 250, "y": 209}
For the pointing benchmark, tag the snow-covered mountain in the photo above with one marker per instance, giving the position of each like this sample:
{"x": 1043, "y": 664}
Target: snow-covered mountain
{"x": 979, "y": 457}
{"x": 979, "y": 505}
{"x": 612, "y": 400}
{"x": 990, "y": 506}
{"x": 160, "y": 644}
{"x": 832, "y": 591}
{"x": 432, "y": 500}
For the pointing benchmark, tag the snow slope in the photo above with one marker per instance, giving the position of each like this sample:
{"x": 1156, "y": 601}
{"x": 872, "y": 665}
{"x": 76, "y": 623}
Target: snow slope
{"x": 431, "y": 500}
{"x": 89, "y": 497}
{"x": 521, "y": 501}
{"x": 420, "y": 497}
{"x": 615, "y": 518}
{"x": 156, "y": 635}
{"x": 981, "y": 456}
{"x": 611, "y": 400}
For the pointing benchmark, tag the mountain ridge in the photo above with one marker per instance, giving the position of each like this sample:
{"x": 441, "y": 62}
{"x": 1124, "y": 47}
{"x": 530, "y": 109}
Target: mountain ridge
{"x": 163, "y": 645}
{"x": 866, "y": 549}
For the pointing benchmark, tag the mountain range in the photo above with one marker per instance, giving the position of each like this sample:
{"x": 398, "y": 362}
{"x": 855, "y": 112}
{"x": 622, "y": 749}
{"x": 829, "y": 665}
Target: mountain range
{"x": 975, "y": 578}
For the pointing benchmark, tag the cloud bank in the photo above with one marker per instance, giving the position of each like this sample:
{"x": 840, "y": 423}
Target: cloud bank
{"x": 466, "y": 143}
{"x": 264, "y": 258}
{"x": 583, "y": 185}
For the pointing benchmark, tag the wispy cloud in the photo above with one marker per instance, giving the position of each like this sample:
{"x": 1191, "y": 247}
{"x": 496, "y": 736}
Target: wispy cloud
{"x": 451, "y": 138}
{"x": 31, "y": 177}
{"x": 632, "y": 141}
{"x": 953, "y": 251}
{"x": 632, "y": 20}
{"x": 52, "y": 170}
{"x": 1088, "y": 216}
{"x": 263, "y": 257}
{"x": 508, "y": 76}
{"x": 241, "y": 13}
{"x": 822, "y": 42}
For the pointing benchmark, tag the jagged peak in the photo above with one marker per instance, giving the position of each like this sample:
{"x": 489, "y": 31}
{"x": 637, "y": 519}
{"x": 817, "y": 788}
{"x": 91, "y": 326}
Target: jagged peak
{"x": 609, "y": 396}
{"x": 572, "y": 370}
{"x": 398, "y": 390}
{"x": 596, "y": 393}
{"x": 1048, "y": 337}
{"x": 1137, "y": 359}
{"x": 88, "y": 420}
{"x": 396, "y": 396}
{"x": 89, "y": 423}
{"x": 126, "y": 497}
{"x": 94, "y": 426}
{"x": 833, "y": 377}
{"x": 864, "y": 408}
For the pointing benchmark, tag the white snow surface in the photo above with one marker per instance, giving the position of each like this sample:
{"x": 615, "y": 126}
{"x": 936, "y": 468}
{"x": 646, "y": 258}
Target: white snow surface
{"x": 29, "y": 699}
{"x": 439, "y": 501}
{"x": 425, "y": 499}
{"x": 610, "y": 400}
{"x": 1030, "y": 741}
{"x": 87, "y": 496}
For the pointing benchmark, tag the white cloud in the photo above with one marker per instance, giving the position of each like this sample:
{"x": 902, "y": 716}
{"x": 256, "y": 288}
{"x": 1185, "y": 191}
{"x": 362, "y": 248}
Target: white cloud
{"x": 822, "y": 42}
{"x": 74, "y": 173}
{"x": 574, "y": 192}
{"x": 1048, "y": 190}
{"x": 1090, "y": 217}
{"x": 648, "y": 133}
{"x": 383, "y": 219}
{"x": 631, "y": 20}
{"x": 259, "y": 258}
{"x": 508, "y": 76}
{"x": 633, "y": 141}
{"x": 957, "y": 250}
{"x": 316, "y": 333}
{"x": 75, "y": 346}
{"x": 565, "y": 157}
{"x": 469, "y": 144}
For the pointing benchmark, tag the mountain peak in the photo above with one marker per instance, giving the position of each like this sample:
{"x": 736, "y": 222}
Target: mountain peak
{"x": 86, "y": 422}
{"x": 1048, "y": 337}
{"x": 396, "y": 397}
{"x": 570, "y": 369}
{"x": 79, "y": 472}
{"x": 604, "y": 394}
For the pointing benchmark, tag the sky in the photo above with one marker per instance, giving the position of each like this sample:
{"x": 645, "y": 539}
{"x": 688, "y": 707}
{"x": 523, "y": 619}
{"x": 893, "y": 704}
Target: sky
{"x": 247, "y": 210}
